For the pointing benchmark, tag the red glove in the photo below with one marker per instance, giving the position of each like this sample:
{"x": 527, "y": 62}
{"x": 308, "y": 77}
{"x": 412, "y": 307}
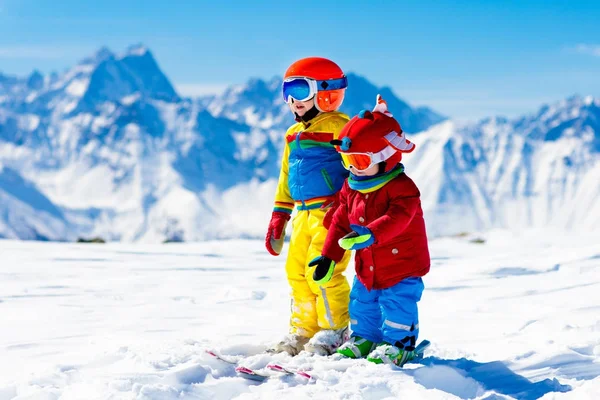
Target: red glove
{"x": 276, "y": 232}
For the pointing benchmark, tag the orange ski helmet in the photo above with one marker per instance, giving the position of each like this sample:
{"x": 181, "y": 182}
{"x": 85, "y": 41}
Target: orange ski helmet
{"x": 315, "y": 77}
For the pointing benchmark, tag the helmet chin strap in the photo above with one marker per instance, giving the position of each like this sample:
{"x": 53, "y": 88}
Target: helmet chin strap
{"x": 308, "y": 115}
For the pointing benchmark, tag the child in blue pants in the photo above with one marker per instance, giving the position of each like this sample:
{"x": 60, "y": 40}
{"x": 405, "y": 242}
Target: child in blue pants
{"x": 379, "y": 215}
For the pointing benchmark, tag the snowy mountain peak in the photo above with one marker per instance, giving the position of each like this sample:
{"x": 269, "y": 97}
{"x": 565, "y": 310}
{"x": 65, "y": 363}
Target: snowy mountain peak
{"x": 100, "y": 55}
{"x": 259, "y": 103}
{"x": 35, "y": 81}
{"x": 136, "y": 50}
{"x": 135, "y": 71}
{"x": 576, "y": 116}
{"x": 361, "y": 94}
{"x": 589, "y": 100}
{"x": 259, "y": 84}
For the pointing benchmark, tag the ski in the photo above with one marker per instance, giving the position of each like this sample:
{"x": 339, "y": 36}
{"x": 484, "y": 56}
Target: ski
{"x": 252, "y": 375}
{"x": 278, "y": 370}
{"x": 233, "y": 359}
{"x": 287, "y": 370}
{"x": 225, "y": 358}
{"x": 256, "y": 375}
{"x": 421, "y": 347}
{"x": 290, "y": 371}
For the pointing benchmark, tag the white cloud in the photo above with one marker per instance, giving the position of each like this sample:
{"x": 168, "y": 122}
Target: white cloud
{"x": 200, "y": 89}
{"x": 588, "y": 49}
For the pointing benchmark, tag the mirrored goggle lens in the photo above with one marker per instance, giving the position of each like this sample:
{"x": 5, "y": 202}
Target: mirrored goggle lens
{"x": 298, "y": 89}
{"x": 358, "y": 161}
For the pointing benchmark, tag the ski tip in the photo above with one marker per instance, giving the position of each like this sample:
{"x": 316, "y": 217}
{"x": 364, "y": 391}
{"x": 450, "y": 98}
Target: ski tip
{"x": 288, "y": 371}
{"x": 304, "y": 375}
{"x": 421, "y": 347}
{"x": 424, "y": 344}
{"x": 247, "y": 373}
{"x": 276, "y": 367}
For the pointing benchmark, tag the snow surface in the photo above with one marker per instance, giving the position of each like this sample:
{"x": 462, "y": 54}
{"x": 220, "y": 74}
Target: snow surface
{"x": 515, "y": 317}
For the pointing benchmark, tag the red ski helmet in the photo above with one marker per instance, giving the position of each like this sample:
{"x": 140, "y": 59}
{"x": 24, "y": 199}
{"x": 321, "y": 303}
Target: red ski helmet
{"x": 373, "y": 137}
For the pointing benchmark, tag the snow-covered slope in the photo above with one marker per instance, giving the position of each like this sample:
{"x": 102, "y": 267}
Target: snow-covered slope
{"x": 514, "y": 318}
{"x": 25, "y": 213}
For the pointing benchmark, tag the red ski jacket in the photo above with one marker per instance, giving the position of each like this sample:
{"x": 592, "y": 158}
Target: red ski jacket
{"x": 393, "y": 214}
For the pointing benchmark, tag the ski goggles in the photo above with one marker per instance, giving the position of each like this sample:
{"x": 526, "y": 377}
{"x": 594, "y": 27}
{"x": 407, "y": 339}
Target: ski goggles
{"x": 302, "y": 89}
{"x": 363, "y": 161}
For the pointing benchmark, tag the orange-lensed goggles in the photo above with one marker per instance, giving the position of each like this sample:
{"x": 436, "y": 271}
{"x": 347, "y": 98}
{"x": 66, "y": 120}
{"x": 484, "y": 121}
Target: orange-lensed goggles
{"x": 357, "y": 161}
{"x": 364, "y": 161}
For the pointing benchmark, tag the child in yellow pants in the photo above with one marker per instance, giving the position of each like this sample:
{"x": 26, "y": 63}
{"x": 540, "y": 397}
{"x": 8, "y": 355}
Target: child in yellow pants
{"x": 311, "y": 175}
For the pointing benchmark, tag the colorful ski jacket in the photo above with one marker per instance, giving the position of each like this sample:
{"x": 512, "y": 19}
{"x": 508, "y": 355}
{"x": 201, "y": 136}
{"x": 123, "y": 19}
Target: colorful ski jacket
{"x": 311, "y": 168}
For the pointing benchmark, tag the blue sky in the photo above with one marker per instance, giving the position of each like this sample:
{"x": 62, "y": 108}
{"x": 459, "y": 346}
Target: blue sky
{"x": 466, "y": 59}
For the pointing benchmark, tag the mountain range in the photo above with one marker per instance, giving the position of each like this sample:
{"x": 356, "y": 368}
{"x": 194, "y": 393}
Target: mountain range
{"x": 110, "y": 149}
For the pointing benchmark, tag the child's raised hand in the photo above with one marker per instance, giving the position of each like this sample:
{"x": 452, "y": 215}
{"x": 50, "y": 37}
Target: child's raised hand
{"x": 359, "y": 238}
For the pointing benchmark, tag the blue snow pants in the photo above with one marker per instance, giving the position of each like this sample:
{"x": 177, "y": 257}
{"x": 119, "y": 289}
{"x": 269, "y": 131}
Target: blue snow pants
{"x": 386, "y": 315}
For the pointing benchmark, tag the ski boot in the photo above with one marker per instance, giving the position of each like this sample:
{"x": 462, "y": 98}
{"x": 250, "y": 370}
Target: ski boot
{"x": 390, "y": 354}
{"x": 291, "y": 344}
{"x": 326, "y": 342}
{"x": 356, "y": 347}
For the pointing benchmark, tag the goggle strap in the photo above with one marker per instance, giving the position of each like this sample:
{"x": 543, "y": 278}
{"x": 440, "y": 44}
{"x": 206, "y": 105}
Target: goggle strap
{"x": 332, "y": 84}
{"x": 383, "y": 154}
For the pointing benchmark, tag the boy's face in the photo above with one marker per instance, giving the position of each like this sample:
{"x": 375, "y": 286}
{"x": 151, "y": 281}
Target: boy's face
{"x": 301, "y": 107}
{"x": 367, "y": 172}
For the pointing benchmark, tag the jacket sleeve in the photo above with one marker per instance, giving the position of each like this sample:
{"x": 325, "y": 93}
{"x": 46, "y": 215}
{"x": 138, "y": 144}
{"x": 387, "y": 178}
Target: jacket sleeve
{"x": 402, "y": 209}
{"x": 340, "y": 227}
{"x": 283, "y": 199}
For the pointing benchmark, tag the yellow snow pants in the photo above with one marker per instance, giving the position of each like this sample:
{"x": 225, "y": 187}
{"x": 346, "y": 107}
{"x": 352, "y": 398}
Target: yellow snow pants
{"x": 314, "y": 307}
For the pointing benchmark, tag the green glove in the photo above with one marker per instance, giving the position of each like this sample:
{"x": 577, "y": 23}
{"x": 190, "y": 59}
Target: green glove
{"x": 324, "y": 271}
{"x": 359, "y": 238}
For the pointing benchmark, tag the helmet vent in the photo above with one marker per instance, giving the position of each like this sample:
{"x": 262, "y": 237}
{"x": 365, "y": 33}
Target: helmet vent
{"x": 365, "y": 114}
